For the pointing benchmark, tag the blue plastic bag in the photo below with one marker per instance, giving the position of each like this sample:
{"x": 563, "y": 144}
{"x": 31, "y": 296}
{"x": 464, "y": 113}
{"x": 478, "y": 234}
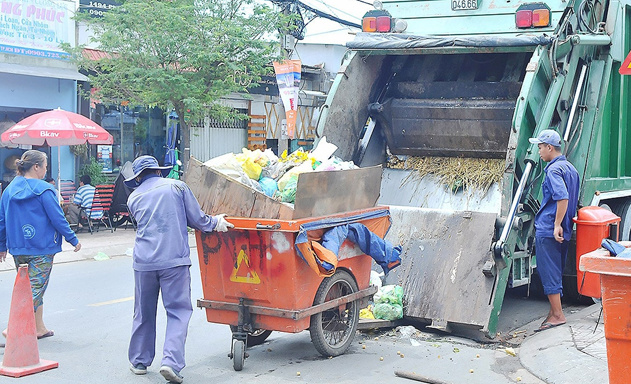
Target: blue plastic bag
{"x": 269, "y": 186}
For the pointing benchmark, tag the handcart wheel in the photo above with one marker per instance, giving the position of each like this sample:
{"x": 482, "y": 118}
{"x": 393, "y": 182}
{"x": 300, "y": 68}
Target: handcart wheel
{"x": 238, "y": 354}
{"x": 332, "y": 331}
{"x": 256, "y": 337}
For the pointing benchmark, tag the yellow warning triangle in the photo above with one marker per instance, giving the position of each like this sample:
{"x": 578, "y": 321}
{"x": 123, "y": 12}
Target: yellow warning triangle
{"x": 251, "y": 277}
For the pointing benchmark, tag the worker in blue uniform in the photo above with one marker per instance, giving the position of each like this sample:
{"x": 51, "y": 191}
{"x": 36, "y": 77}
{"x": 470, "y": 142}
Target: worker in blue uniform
{"x": 163, "y": 209}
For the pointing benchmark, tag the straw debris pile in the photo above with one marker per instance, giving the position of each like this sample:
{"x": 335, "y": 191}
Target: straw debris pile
{"x": 457, "y": 173}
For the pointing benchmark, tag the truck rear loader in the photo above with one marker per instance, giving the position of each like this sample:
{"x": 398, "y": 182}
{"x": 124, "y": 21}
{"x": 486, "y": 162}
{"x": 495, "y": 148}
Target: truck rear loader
{"x": 443, "y": 82}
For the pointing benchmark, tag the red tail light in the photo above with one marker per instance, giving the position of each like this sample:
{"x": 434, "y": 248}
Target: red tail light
{"x": 377, "y": 20}
{"x": 383, "y": 24}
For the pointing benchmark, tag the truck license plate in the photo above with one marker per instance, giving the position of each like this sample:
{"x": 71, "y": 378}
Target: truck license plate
{"x": 460, "y": 5}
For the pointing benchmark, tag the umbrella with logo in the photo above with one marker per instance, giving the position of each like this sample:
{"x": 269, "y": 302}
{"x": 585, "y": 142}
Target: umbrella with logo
{"x": 56, "y": 128}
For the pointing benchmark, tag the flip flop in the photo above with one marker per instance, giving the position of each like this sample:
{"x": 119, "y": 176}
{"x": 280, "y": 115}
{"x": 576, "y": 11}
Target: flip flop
{"x": 547, "y": 325}
{"x": 47, "y": 334}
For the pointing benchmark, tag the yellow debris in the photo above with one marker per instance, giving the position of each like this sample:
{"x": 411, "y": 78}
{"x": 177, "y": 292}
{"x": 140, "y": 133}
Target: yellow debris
{"x": 510, "y": 351}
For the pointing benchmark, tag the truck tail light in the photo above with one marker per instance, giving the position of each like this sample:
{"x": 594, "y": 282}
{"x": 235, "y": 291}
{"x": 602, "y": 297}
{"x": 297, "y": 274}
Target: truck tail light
{"x": 523, "y": 19}
{"x": 540, "y": 18}
{"x": 377, "y": 20}
{"x": 532, "y": 15}
{"x": 369, "y": 24}
{"x": 383, "y": 24}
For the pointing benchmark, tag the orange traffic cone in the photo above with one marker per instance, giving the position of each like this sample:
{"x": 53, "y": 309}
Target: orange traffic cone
{"x": 21, "y": 356}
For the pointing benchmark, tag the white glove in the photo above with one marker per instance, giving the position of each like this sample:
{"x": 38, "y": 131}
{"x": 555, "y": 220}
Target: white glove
{"x": 222, "y": 223}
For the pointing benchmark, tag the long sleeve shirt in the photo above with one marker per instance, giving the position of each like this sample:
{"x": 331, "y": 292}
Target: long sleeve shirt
{"x": 163, "y": 208}
{"x": 31, "y": 220}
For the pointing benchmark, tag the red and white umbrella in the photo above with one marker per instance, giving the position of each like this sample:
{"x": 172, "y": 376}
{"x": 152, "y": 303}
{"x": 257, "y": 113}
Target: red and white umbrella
{"x": 56, "y": 128}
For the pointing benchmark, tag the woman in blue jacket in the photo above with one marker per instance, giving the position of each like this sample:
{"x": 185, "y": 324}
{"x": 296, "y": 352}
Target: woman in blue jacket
{"x": 31, "y": 221}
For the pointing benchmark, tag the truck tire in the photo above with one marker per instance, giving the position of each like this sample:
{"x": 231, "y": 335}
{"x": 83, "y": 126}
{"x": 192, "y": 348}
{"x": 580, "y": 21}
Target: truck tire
{"x": 333, "y": 330}
{"x": 624, "y": 211}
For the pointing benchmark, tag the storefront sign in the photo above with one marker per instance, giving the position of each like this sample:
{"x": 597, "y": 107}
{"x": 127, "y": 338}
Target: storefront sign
{"x": 36, "y": 27}
{"x": 97, "y": 8}
{"x": 266, "y": 86}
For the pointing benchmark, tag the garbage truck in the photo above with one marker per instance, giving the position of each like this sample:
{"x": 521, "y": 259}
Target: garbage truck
{"x": 446, "y": 92}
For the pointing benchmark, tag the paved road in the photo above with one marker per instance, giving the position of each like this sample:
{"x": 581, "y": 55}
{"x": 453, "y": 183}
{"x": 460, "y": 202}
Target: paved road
{"x": 89, "y": 305}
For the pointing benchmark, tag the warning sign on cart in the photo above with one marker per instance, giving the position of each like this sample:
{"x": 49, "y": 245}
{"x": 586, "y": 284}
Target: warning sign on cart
{"x": 242, "y": 273}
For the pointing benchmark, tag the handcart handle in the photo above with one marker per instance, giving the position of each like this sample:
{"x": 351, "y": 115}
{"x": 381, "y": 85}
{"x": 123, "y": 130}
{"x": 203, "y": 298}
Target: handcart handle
{"x": 267, "y": 226}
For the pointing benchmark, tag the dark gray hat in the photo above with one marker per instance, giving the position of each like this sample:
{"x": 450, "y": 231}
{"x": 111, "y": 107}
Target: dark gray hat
{"x": 145, "y": 162}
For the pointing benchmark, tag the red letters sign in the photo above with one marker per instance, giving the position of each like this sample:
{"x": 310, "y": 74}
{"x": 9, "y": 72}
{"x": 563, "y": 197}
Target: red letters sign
{"x": 625, "y": 68}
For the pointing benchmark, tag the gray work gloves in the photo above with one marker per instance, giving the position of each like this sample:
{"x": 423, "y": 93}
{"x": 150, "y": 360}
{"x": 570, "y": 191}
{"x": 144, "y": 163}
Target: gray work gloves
{"x": 222, "y": 223}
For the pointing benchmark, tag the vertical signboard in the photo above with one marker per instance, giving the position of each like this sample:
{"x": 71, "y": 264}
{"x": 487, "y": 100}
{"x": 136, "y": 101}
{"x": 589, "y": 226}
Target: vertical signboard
{"x": 104, "y": 157}
{"x": 288, "y": 79}
{"x": 36, "y": 27}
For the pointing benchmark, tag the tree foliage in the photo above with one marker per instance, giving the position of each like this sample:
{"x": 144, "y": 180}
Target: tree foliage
{"x": 181, "y": 54}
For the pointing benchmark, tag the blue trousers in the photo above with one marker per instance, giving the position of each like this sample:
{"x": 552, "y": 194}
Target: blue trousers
{"x": 550, "y": 263}
{"x": 175, "y": 286}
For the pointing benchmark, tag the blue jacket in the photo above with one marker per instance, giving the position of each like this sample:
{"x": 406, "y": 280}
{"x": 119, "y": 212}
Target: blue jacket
{"x": 163, "y": 208}
{"x": 31, "y": 219}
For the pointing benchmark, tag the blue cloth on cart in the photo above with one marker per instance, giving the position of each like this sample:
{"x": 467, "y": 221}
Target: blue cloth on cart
{"x": 382, "y": 251}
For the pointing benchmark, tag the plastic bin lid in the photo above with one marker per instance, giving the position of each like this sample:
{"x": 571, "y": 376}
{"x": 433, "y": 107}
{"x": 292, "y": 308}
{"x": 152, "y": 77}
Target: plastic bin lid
{"x": 595, "y": 215}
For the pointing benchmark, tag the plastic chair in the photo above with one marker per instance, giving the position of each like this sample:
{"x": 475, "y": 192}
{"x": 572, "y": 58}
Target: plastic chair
{"x": 101, "y": 203}
{"x": 67, "y": 190}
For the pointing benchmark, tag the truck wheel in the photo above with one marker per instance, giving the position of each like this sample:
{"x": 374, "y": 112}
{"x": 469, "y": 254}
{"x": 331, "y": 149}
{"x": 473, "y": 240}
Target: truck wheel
{"x": 333, "y": 330}
{"x": 257, "y": 337}
{"x": 624, "y": 211}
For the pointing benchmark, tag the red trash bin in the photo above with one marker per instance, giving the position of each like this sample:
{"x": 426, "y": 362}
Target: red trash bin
{"x": 593, "y": 224}
{"x": 615, "y": 278}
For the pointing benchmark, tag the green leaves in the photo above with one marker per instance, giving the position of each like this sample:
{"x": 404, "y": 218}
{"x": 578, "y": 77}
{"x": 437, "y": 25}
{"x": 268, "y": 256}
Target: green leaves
{"x": 182, "y": 54}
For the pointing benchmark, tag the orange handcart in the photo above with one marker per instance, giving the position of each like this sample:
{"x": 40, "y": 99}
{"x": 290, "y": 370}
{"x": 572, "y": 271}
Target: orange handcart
{"x": 254, "y": 280}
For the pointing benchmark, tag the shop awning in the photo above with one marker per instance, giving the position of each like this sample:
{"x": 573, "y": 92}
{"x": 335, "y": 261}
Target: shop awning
{"x": 31, "y": 70}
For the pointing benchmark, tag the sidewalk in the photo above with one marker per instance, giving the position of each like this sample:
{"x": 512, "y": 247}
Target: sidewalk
{"x": 571, "y": 353}
{"x": 98, "y": 244}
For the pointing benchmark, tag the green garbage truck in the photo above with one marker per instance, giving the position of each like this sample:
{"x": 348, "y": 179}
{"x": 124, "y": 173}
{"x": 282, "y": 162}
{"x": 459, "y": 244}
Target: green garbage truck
{"x": 445, "y": 94}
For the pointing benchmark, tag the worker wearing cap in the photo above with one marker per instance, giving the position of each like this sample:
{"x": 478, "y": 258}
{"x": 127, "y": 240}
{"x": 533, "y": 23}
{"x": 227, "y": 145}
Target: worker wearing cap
{"x": 163, "y": 208}
{"x": 553, "y": 222}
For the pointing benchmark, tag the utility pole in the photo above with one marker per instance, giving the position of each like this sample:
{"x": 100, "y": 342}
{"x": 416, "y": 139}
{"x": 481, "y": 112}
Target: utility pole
{"x": 286, "y": 47}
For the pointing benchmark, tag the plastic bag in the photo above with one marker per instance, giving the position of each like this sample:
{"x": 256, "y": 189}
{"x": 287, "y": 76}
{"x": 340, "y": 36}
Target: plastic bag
{"x": 288, "y": 194}
{"x": 386, "y": 311}
{"x": 335, "y": 164}
{"x": 226, "y": 164}
{"x": 269, "y": 186}
{"x": 294, "y": 172}
{"x": 375, "y": 279}
{"x": 252, "y": 169}
{"x": 323, "y": 150}
{"x": 389, "y": 294}
{"x": 366, "y": 313}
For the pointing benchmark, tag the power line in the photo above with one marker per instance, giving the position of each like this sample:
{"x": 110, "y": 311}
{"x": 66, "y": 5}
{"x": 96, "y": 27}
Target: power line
{"x": 318, "y": 12}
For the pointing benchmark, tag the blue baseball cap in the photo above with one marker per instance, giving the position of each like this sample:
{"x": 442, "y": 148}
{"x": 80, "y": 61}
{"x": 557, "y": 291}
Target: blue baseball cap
{"x": 547, "y": 136}
{"x": 145, "y": 162}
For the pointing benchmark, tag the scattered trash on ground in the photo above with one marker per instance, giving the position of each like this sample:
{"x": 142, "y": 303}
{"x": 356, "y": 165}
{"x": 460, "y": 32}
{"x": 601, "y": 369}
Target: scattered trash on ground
{"x": 101, "y": 256}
